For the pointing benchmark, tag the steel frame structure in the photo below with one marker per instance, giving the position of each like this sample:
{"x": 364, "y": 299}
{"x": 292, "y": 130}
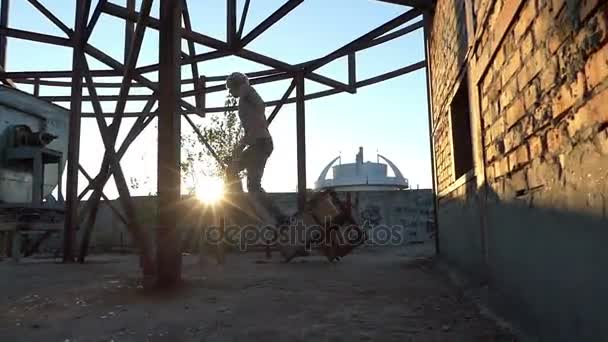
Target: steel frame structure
{"x": 170, "y": 98}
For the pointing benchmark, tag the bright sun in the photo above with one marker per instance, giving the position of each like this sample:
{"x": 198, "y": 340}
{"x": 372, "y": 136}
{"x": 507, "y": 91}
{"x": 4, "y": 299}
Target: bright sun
{"x": 210, "y": 190}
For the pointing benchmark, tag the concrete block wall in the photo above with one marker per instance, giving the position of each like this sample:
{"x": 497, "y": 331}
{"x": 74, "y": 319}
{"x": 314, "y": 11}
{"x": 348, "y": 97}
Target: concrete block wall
{"x": 410, "y": 209}
{"x": 531, "y": 219}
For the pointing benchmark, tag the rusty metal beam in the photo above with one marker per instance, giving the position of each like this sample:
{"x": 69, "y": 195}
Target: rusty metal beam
{"x": 194, "y": 66}
{"x": 103, "y": 195}
{"x": 169, "y": 256}
{"x": 50, "y": 16}
{"x": 312, "y": 96}
{"x": 4, "y": 9}
{"x": 364, "y": 39}
{"x": 352, "y": 71}
{"x": 222, "y": 47}
{"x": 129, "y": 30}
{"x": 36, "y": 37}
{"x": 301, "y": 140}
{"x": 271, "y": 20}
{"x": 425, "y": 5}
{"x": 72, "y": 203}
{"x": 139, "y": 235}
{"x": 94, "y": 18}
{"x": 231, "y": 37}
{"x": 282, "y": 102}
{"x": 239, "y": 32}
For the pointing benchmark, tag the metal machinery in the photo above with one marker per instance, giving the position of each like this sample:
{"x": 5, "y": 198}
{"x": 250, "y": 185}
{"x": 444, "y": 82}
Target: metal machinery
{"x": 172, "y": 103}
{"x": 33, "y": 142}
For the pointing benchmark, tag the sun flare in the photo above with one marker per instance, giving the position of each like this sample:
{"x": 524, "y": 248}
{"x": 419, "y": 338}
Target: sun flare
{"x": 210, "y": 190}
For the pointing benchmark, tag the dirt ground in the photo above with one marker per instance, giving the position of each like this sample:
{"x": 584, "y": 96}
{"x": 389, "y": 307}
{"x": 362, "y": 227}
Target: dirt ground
{"x": 393, "y": 294}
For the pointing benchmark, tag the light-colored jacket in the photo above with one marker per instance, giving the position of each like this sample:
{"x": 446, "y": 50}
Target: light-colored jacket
{"x": 251, "y": 114}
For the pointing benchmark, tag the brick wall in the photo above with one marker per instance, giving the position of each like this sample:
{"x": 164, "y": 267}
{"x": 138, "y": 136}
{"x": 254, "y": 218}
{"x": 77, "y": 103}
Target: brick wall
{"x": 449, "y": 32}
{"x": 532, "y": 220}
{"x": 544, "y": 93}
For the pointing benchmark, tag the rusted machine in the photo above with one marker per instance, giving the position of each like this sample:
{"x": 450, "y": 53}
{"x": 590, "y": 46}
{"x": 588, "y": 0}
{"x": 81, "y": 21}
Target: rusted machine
{"x": 33, "y": 142}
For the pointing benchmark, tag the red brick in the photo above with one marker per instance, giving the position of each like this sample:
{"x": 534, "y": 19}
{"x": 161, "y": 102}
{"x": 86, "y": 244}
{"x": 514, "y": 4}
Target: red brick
{"x": 490, "y": 172}
{"x": 596, "y": 68}
{"x": 517, "y": 180}
{"x": 586, "y": 7}
{"x": 556, "y": 6}
{"x": 568, "y": 94}
{"x": 515, "y": 112}
{"x": 508, "y": 93}
{"x": 556, "y": 140}
{"x": 501, "y": 167}
{"x": 535, "y": 144}
{"x": 519, "y": 157}
{"x": 491, "y": 152}
{"x": 548, "y": 75}
{"x": 541, "y": 25}
{"x": 527, "y": 14}
{"x": 512, "y": 139}
{"x": 510, "y": 68}
{"x": 593, "y": 112}
{"x": 531, "y": 97}
{"x": 527, "y": 45}
{"x": 527, "y": 126}
{"x": 532, "y": 68}
{"x": 555, "y": 41}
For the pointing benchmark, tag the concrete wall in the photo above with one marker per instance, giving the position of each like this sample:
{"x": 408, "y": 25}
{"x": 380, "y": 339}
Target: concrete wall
{"x": 530, "y": 219}
{"x": 409, "y": 209}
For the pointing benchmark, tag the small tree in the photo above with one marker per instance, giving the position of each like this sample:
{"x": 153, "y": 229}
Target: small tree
{"x": 222, "y": 133}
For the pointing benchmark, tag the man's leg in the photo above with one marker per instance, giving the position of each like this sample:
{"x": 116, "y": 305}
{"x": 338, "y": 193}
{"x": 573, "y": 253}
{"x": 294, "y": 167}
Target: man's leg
{"x": 255, "y": 171}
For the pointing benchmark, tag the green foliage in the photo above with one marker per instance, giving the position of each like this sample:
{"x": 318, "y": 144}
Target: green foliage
{"x": 222, "y": 133}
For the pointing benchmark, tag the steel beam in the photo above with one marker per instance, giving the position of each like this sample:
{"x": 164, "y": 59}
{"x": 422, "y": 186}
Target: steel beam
{"x": 271, "y": 20}
{"x": 169, "y": 174}
{"x": 194, "y": 66}
{"x": 140, "y": 236}
{"x": 4, "y": 9}
{"x": 284, "y": 99}
{"x": 129, "y": 30}
{"x": 364, "y": 83}
{"x": 352, "y": 71}
{"x": 301, "y": 141}
{"x": 425, "y": 5}
{"x": 94, "y": 18}
{"x": 35, "y": 37}
{"x": 364, "y": 39}
{"x": 239, "y": 33}
{"x": 231, "y": 37}
{"x": 50, "y": 16}
{"x": 72, "y": 203}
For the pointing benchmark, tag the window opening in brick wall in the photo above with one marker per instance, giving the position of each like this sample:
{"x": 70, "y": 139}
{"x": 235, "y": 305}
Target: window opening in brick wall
{"x": 460, "y": 113}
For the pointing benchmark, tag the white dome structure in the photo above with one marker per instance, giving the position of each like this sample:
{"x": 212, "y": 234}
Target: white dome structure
{"x": 361, "y": 176}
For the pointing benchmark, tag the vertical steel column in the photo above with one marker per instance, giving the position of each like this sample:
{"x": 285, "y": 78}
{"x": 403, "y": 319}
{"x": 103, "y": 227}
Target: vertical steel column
{"x": 4, "y": 7}
{"x": 129, "y": 29}
{"x": 168, "y": 238}
{"x": 427, "y": 45}
{"x": 301, "y": 140}
{"x": 231, "y": 38}
{"x": 71, "y": 215}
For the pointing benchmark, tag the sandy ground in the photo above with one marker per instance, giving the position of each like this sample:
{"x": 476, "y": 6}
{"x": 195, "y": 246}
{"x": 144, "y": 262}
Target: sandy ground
{"x": 373, "y": 295}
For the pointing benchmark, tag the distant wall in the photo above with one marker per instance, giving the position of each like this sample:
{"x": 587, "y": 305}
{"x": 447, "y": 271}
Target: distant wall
{"x": 409, "y": 209}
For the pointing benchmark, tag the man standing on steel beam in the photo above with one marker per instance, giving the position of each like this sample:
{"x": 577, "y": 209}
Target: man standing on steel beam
{"x": 256, "y": 145}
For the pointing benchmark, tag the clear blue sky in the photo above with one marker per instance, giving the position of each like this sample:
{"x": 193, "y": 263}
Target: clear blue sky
{"x": 390, "y": 117}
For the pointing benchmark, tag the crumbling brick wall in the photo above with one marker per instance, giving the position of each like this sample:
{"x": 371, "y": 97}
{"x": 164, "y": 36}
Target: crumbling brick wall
{"x": 538, "y": 88}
